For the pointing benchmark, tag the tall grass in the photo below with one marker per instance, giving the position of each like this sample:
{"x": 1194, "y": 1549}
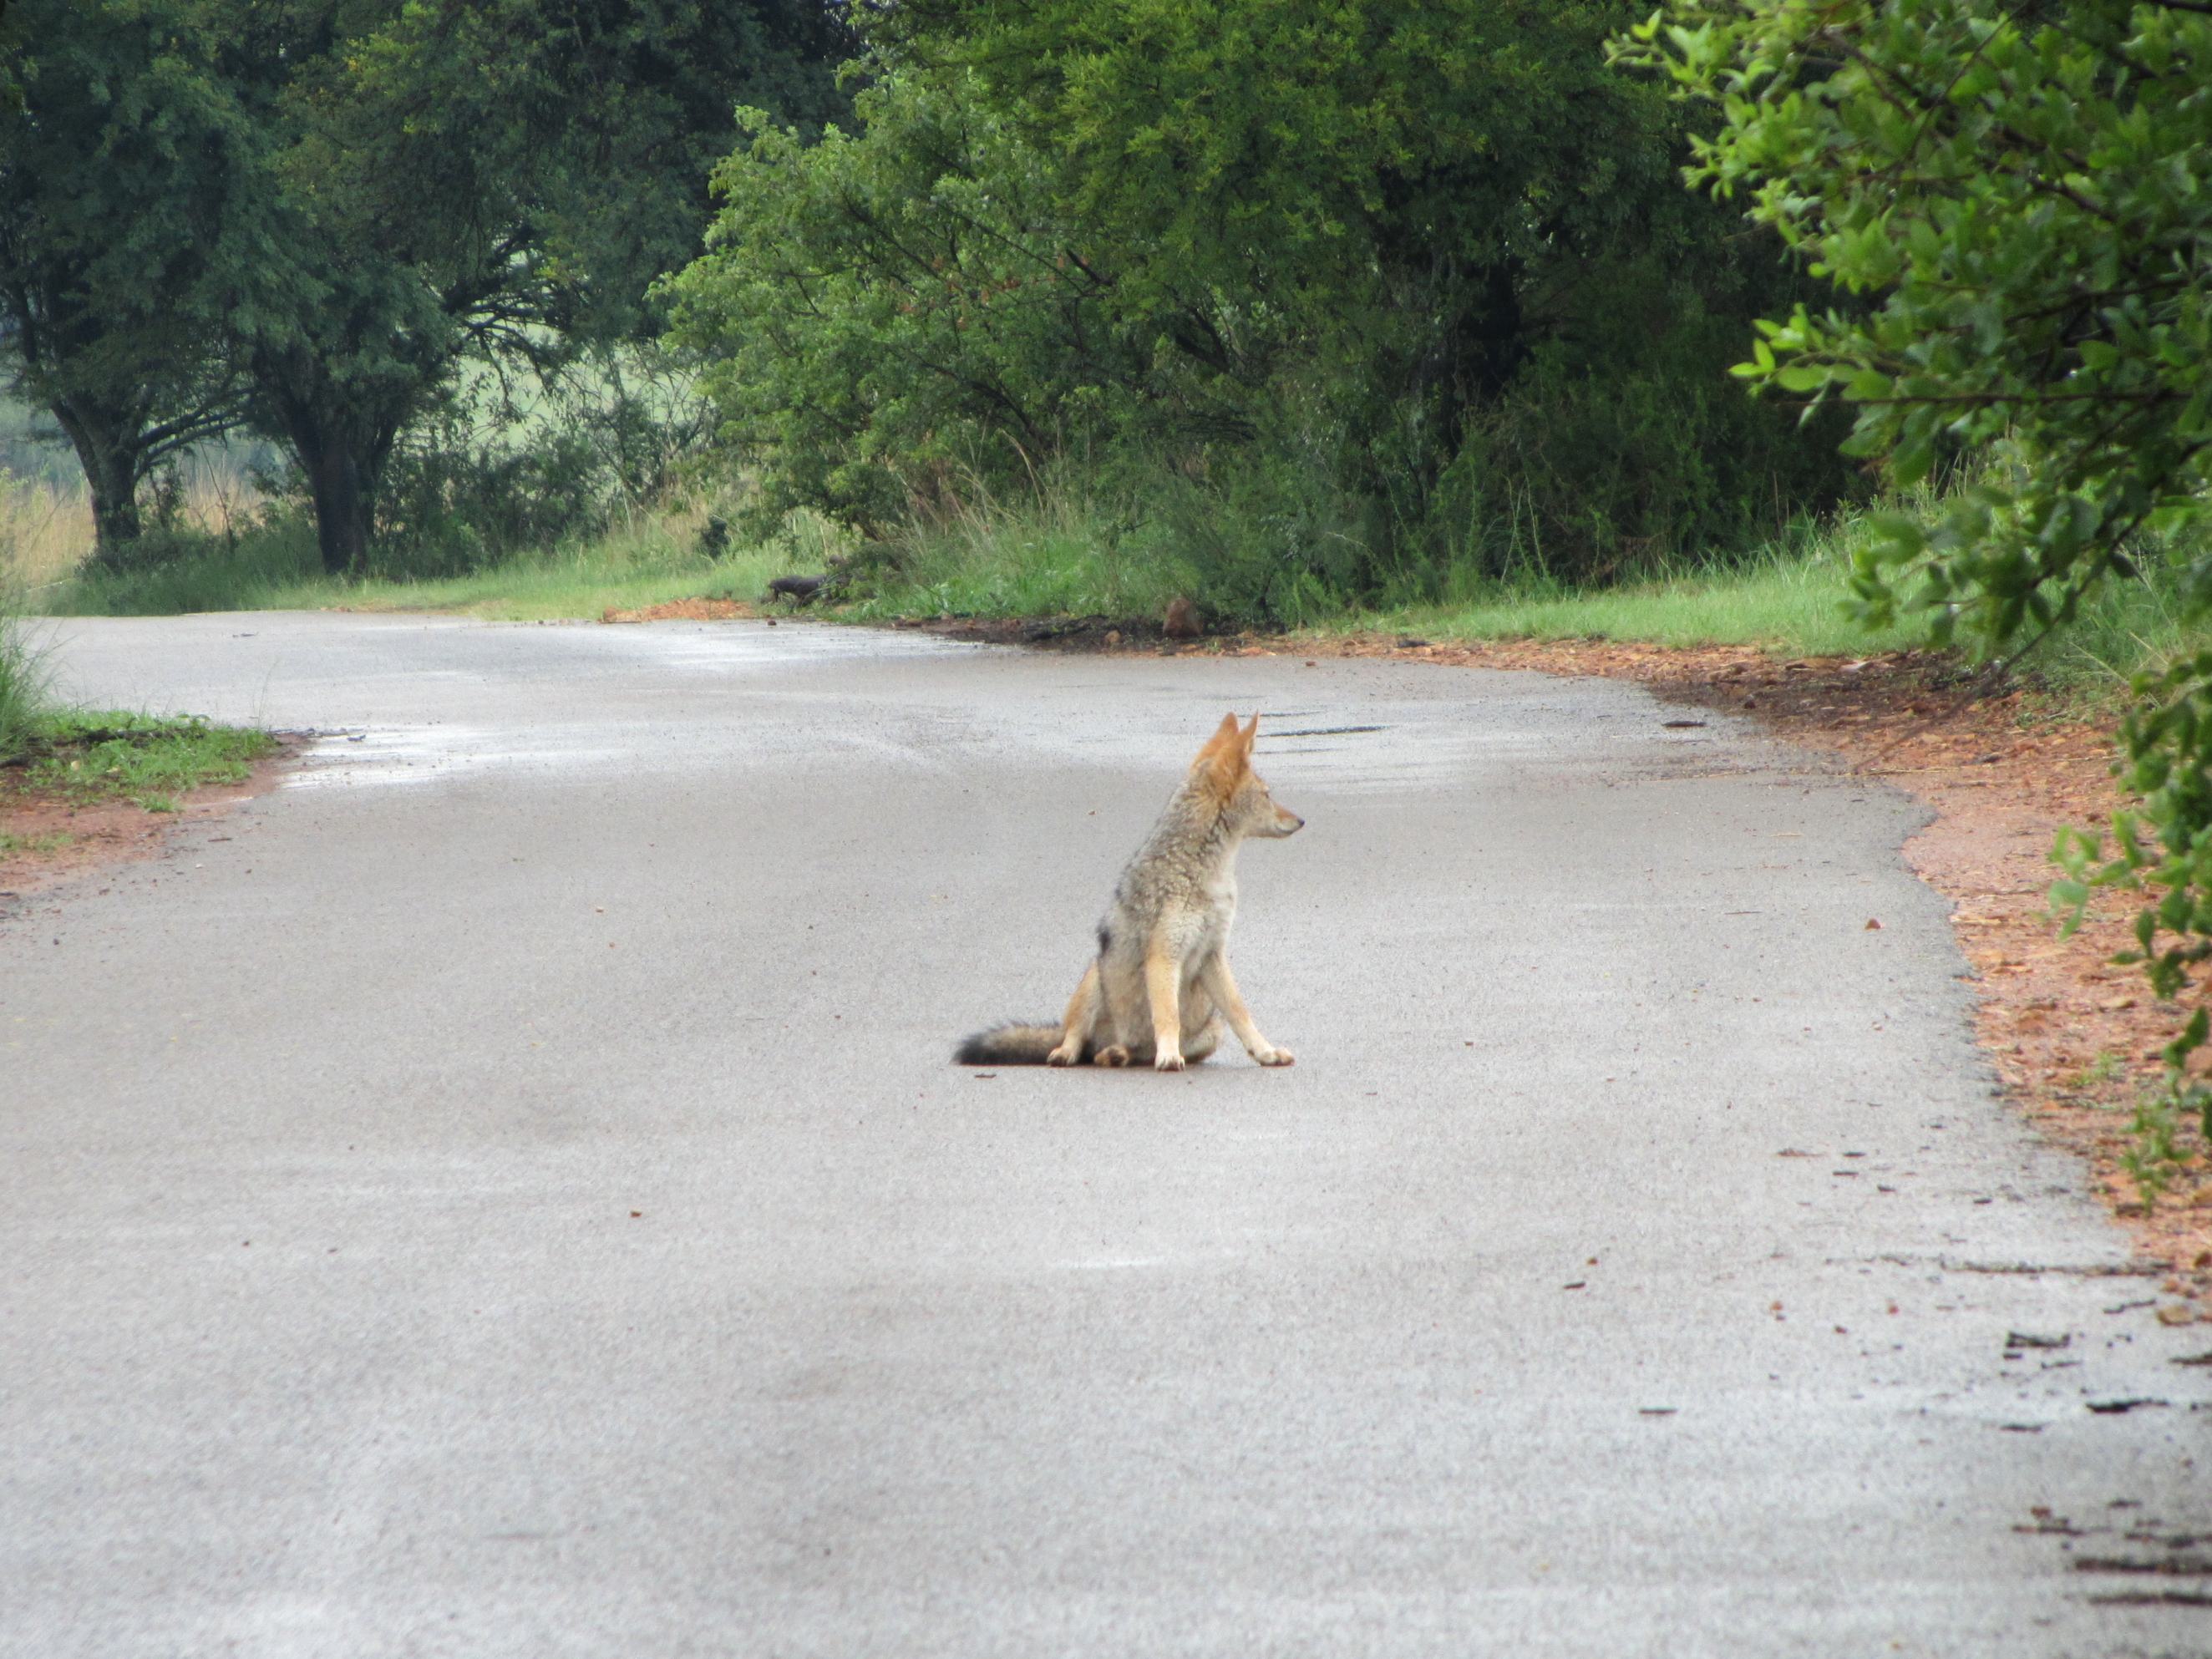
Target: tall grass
{"x": 2127, "y": 627}
{"x": 1788, "y": 596}
{"x": 23, "y": 687}
{"x": 46, "y": 532}
{"x": 39, "y": 537}
{"x": 1061, "y": 552}
{"x": 242, "y": 554}
{"x": 1057, "y": 552}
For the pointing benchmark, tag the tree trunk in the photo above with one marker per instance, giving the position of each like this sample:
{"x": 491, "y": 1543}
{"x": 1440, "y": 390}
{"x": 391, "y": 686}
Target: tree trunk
{"x": 1501, "y": 344}
{"x": 342, "y": 507}
{"x": 339, "y": 446}
{"x": 108, "y": 448}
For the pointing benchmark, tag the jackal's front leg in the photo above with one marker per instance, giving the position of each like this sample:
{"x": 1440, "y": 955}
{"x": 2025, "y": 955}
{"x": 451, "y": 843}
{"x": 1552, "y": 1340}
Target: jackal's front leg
{"x": 1163, "y": 989}
{"x": 1213, "y": 974}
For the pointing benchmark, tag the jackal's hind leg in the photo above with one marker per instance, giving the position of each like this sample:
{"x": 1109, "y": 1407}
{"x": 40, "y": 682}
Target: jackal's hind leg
{"x": 1200, "y": 1044}
{"x": 1079, "y": 1021}
{"x": 1121, "y": 1028}
{"x": 1201, "y": 1024}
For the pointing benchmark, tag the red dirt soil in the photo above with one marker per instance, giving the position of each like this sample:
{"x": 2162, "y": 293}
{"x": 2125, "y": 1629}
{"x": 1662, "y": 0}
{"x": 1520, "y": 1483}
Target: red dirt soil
{"x": 91, "y": 836}
{"x": 681, "y": 611}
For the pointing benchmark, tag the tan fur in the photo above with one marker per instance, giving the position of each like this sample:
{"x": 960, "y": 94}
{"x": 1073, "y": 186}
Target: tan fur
{"x": 1161, "y": 987}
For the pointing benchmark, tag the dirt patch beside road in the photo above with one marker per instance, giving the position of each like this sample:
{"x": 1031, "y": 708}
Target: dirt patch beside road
{"x": 723, "y": 609}
{"x": 48, "y": 836}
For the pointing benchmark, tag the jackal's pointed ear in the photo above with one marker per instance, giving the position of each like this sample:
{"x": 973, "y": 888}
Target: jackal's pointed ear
{"x": 1222, "y": 760}
{"x": 1223, "y": 740}
{"x": 1250, "y": 734}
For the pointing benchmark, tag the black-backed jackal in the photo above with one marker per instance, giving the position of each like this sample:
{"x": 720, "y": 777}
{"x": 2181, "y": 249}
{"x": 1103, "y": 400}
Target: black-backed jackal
{"x": 1160, "y": 987}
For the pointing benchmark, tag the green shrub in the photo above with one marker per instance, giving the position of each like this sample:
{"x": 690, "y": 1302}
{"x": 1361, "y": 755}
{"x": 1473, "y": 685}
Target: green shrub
{"x": 450, "y": 503}
{"x": 917, "y": 321}
{"x": 172, "y": 572}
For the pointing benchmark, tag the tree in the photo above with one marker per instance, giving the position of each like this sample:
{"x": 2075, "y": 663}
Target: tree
{"x": 1393, "y": 261}
{"x": 1396, "y": 179}
{"x": 128, "y": 210}
{"x": 490, "y": 182}
{"x": 886, "y": 314}
{"x": 2027, "y": 192}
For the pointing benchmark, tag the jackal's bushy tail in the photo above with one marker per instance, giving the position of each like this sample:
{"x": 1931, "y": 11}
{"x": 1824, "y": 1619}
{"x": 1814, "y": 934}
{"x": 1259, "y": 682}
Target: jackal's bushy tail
{"x": 1008, "y": 1045}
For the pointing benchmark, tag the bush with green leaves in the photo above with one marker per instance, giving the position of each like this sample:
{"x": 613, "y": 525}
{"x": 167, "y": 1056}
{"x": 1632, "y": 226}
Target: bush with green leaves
{"x": 1404, "y": 264}
{"x": 2026, "y": 194}
{"x": 899, "y": 318}
{"x": 498, "y": 469}
{"x": 454, "y": 500}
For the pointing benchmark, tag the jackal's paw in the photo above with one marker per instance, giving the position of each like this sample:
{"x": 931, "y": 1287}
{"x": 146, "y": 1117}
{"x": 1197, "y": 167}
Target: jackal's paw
{"x": 1168, "y": 1061}
{"x": 1113, "y": 1054}
{"x": 1066, "y": 1054}
{"x": 1274, "y": 1056}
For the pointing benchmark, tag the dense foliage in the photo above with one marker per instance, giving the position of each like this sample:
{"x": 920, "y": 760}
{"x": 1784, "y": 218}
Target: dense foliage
{"x": 129, "y": 225}
{"x": 1408, "y": 290}
{"x": 314, "y": 217}
{"x": 2028, "y": 195}
{"x": 2028, "y": 191}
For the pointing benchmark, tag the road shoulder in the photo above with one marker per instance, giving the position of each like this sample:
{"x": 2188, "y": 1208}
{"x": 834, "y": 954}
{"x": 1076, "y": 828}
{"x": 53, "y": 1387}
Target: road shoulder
{"x": 49, "y": 838}
{"x": 2074, "y": 1038}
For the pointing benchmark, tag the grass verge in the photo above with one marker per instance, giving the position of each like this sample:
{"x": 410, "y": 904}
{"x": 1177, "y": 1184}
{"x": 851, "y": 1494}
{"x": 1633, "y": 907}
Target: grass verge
{"x": 86, "y": 755}
{"x": 1059, "y": 556}
{"x": 648, "y": 560}
{"x": 1064, "y": 554}
{"x": 1789, "y": 602}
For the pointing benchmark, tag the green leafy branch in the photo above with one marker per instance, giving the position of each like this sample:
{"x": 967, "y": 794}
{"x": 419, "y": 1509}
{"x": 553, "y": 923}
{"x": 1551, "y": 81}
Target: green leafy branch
{"x": 2028, "y": 196}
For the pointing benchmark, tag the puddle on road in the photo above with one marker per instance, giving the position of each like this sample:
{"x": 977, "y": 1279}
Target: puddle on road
{"x": 433, "y": 754}
{"x": 726, "y": 645}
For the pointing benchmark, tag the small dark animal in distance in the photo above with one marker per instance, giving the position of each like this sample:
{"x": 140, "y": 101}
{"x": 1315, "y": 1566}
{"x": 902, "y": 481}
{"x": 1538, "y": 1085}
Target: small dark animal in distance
{"x": 800, "y": 590}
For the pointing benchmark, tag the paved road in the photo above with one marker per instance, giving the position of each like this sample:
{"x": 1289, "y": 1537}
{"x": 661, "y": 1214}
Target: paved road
{"x": 504, "y": 1193}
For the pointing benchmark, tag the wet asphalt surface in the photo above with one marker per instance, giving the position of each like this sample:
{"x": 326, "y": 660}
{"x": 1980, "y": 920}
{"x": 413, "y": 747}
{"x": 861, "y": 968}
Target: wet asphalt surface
{"x": 504, "y": 1192}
